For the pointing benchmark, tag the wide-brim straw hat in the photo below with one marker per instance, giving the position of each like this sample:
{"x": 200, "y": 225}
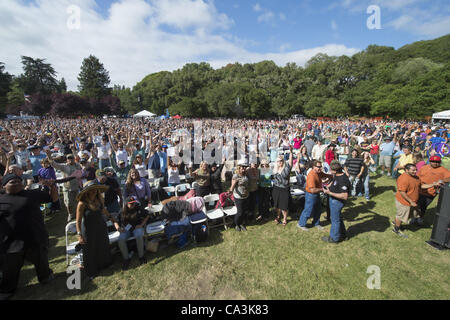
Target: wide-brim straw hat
{"x": 91, "y": 185}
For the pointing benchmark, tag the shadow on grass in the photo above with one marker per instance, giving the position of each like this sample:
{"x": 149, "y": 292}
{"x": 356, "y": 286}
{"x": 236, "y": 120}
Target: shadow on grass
{"x": 376, "y": 221}
{"x": 166, "y": 250}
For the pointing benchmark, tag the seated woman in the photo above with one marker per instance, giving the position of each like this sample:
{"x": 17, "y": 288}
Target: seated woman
{"x": 133, "y": 221}
{"x": 203, "y": 178}
{"x": 138, "y": 187}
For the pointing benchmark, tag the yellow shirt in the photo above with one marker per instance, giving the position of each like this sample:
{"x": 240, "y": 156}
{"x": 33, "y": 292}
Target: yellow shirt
{"x": 404, "y": 160}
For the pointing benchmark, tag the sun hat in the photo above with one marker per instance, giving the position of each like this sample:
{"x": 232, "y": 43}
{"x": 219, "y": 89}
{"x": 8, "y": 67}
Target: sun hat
{"x": 91, "y": 185}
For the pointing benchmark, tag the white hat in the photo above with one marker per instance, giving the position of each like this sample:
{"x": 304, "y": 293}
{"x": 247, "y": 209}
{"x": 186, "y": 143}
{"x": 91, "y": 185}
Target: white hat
{"x": 243, "y": 163}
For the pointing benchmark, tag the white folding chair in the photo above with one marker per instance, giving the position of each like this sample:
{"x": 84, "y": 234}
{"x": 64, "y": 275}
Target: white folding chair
{"x": 182, "y": 188}
{"x": 211, "y": 212}
{"x": 293, "y": 180}
{"x": 182, "y": 177}
{"x": 169, "y": 190}
{"x": 70, "y": 248}
{"x": 198, "y": 218}
{"x": 194, "y": 184}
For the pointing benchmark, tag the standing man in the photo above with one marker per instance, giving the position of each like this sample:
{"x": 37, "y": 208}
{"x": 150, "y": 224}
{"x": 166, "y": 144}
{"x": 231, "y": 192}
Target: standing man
{"x": 337, "y": 191}
{"x": 354, "y": 169}
{"x": 70, "y": 188}
{"x": 386, "y": 151}
{"x": 113, "y": 196}
{"x": 34, "y": 161}
{"x": 408, "y": 189}
{"x": 22, "y": 233}
{"x": 312, "y": 197}
{"x": 434, "y": 175}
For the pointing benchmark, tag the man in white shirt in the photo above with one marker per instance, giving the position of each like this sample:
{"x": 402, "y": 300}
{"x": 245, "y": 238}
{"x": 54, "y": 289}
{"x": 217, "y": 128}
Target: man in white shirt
{"x": 318, "y": 150}
{"x": 103, "y": 151}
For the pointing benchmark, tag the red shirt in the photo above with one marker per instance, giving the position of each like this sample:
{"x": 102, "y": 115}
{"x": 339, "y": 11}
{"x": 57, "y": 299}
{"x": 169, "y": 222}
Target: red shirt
{"x": 329, "y": 156}
{"x": 374, "y": 149}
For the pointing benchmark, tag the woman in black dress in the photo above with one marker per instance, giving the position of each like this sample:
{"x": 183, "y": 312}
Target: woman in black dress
{"x": 94, "y": 238}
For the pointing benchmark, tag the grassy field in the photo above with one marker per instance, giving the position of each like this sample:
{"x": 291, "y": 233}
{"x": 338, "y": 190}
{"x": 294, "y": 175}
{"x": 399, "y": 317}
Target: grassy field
{"x": 271, "y": 262}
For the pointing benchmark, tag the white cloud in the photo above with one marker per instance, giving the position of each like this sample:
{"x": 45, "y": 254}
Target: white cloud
{"x": 132, "y": 40}
{"x": 266, "y": 17}
{"x": 257, "y": 7}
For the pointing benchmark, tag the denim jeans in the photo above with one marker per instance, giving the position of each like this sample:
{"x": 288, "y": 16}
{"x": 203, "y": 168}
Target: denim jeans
{"x": 139, "y": 235}
{"x": 337, "y": 230}
{"x": 366, "y": 180}
{"x": 312, "y": 208}
{"x": 354, "y": 180}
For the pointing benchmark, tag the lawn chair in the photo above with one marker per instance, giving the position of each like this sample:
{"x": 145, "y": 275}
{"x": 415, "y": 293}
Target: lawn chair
{"x": 211, "y": 211}
{"x": 71, "y": 228}
{"x": 226, "y": 203}
{"x": 182, "y": 189}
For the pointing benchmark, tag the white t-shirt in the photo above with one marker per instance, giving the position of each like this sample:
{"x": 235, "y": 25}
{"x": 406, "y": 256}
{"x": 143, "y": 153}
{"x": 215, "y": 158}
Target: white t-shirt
{"x": 142, "y": 169}
{"x": 122, "y": 155}
{"x": 173, "y": 176}
{"x": 103, "y": 150}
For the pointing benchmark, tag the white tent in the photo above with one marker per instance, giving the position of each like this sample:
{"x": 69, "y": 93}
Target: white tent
{"x": 144, "y": 114}
{"x": 442, "y": 115}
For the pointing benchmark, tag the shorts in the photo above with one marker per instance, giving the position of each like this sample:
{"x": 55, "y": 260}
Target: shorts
{"x": 385, "y": 161}
{"x": 405, "y": 212}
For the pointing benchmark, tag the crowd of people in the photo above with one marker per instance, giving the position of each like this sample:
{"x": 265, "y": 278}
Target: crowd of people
{"x": 100, "y": 169}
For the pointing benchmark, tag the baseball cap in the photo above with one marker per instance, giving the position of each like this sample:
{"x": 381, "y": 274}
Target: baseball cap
{"x": 435, "y": 159}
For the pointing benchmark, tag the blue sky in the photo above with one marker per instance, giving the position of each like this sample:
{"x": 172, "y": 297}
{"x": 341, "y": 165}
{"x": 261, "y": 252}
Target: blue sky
{"x": 136, "y": 37}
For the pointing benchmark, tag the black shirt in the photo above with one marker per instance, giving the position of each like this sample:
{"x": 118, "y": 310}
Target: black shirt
{"x": 111, "y": 193}
{"x": 28, "y": 218}
{"x": 133, "y": 217}
{"x": 340, "y": 184}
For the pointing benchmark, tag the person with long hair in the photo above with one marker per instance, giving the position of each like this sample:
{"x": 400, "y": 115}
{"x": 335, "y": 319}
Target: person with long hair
{"x": 368, "y": 162}
{"x": 138, "y": 187}
{"x": 203, "y": 178}
{"x": 280, "y": 191}
{"x": 133, "y": 221}
{"x": 93, "y": 238}
{"x": 240, "y": 189}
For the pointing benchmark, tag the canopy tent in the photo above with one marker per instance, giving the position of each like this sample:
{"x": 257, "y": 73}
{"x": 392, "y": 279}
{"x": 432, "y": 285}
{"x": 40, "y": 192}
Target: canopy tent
{"x": 144, "y": 114}
{"x": 442, "y": 115}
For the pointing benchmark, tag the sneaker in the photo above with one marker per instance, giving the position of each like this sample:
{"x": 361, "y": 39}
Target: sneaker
{"x": 126, "y": 264}
{"x": 302, "y": 228}
{"x": 238, "y": 228}
{"x": 398, "y": 232}
{"x": 319, "y": 227}
{"x": 329, "y": 240}
{"x": 367, "y": 198}
{"x": 243, "y": 228}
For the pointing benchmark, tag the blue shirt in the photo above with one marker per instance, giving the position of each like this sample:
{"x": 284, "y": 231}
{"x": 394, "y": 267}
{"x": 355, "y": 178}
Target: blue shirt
{"x": 387, "y": 148}
{"x": 36, "y": 162}
{"x": 437, "y": 140}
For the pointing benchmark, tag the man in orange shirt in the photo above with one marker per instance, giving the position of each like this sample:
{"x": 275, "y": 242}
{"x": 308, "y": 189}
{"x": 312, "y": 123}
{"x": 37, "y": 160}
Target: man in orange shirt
{"x": 434, "y": 175}
{"x": 312, "y": 196}
{"x": 408, "y": 188}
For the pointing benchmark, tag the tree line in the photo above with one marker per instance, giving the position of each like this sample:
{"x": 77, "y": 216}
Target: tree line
{"x": 411, "y": 82}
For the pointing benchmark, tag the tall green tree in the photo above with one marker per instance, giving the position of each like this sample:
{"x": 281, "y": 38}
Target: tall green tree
{"x": 94, "y": 79}
{"x": 5, "y": 87}
{"x": 38, "y": 77}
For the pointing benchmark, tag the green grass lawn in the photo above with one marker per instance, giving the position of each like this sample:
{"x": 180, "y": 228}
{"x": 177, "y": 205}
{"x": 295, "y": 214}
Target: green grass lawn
{"x": 271, "y": 262}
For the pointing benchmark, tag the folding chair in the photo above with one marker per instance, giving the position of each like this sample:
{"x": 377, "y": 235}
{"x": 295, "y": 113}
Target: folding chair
{"x": 182, "y": 189}
{"x": 182, "y": 177}
{"x": 199, "y": 217}
{"x": 293, "y": 180}
{"x": 113, "y": 235}
{"x": 211, "y": 212}
{"x": 194, "y": 184}
{"x": 70, "y": 248}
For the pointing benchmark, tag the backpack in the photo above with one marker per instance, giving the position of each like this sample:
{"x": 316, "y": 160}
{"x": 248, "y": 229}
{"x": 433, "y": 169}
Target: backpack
{"x": 225, "y": 200}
